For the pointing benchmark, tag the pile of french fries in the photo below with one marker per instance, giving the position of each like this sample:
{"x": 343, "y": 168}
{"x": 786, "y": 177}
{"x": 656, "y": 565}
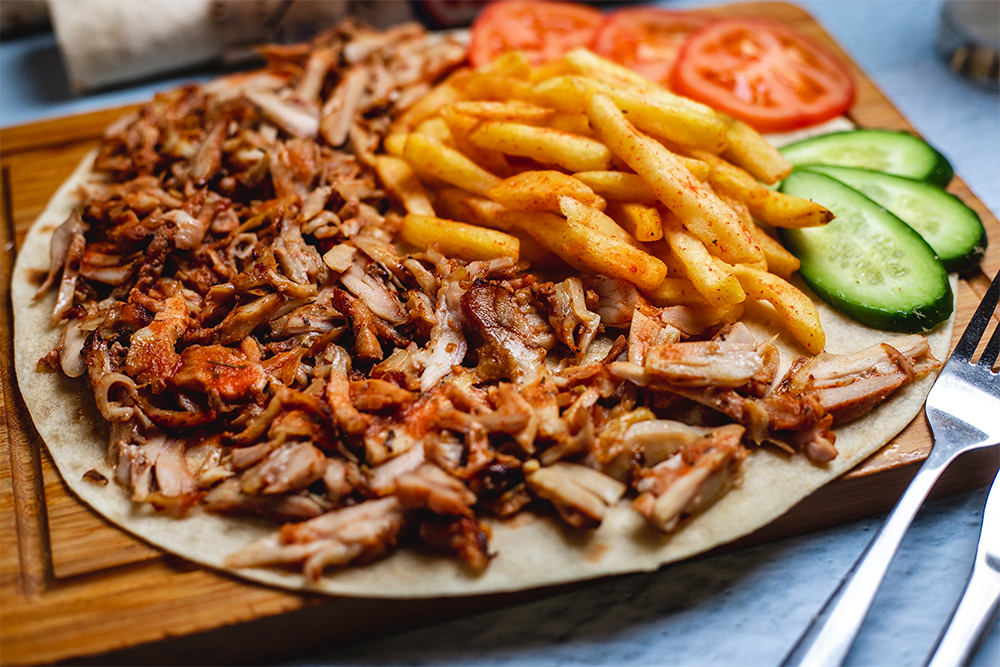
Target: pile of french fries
{"x": 584, "y": 163}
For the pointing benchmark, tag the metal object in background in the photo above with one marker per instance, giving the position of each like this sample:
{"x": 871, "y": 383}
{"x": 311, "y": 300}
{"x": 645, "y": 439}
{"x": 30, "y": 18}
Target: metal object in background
{"x": 969, "y": 40}
{"x": 978, "y": 605}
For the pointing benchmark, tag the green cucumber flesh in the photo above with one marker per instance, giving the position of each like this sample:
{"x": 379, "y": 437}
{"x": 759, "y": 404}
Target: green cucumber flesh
{"x": 898, "y": 153}
{"x": 867, "y": 263}
{"x": 951, "y": 228}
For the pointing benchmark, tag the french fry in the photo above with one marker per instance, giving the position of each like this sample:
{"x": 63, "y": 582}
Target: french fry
{"x": 457, "y": 239}
{"x": 438, "y": 129}
{"x": 403, "y": 183}
{"x": 586, "y": 249}
{"x": 427, "y": 155}
{"x": 574, "y": 123}
{"x": 393, "y": 143}
{"x": 461, "y": 125}
{"x": 649, "y": 113}
{"x": 780, "y": 210}
{"x": 772, "y": 208}
{"x": 428, "y": 105}
{"x": 779, "y": 261}
{"x": 511, "y": 110}
{"x": 595, "y": 219}
{"x": 569, "y": 151}
{"x": 540, "y": 191}
{"x": 487, "y": 85}
{"x": 514, "y": 64}
{"x": 676, "y": 292}
{"x": 587, "y": 62}
{"x": 746, "y": 148}
{"x": 462, "y": 205}
{"x": 641, "y": 221}
{"x": 712, "y": 280}
{"x": 794, "y": 308}
{"x": 619, "y": 186}
{"x": 705, "y": 215}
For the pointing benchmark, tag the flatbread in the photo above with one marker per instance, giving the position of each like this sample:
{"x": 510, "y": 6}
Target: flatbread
{"x": 531, "y": 550}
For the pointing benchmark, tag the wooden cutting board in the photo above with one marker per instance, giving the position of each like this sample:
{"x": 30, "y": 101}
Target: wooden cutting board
{"x": 73, "y": 587}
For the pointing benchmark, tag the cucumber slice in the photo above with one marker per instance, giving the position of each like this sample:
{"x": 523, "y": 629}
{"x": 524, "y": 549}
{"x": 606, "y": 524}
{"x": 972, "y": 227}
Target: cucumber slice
{"x": 951, "y": 228}
{"x": 867, "y": 263}
{"x": 898, "y": 153}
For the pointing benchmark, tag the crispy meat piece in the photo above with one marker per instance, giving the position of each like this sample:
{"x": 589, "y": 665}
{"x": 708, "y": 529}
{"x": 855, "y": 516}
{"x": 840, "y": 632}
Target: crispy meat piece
{"x": 151, "y": 356}
{"x": 726, "y": 361}
{"x": 432, "y": 488}
{"x": 362, "y": 532}
{"x": 511, "y": 347}
{"x": 223, "y": 370}
{"x": 580, "y": 494}
{"x": 692, "y": 479}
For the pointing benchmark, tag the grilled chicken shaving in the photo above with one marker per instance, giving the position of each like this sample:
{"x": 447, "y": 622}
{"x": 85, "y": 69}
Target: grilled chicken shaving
{"x": 233, "y": 294}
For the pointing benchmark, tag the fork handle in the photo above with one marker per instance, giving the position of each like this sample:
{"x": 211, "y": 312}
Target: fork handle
{"x": 830, "y": 635}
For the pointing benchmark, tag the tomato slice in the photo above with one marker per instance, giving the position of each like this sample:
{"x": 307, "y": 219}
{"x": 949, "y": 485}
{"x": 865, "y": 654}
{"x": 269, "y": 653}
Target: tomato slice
{"x": 646, "y": 40}
{"x": 762, "y": 73}
{"x": 542, "y": 30}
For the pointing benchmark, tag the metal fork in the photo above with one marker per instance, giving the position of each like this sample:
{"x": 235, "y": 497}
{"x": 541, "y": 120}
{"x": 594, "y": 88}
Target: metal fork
{"x": 979, "y": 601}
{"x": 963, "y": 409}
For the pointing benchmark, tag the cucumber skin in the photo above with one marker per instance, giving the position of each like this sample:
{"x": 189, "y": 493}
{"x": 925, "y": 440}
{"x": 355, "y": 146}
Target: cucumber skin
{"x": 918, "y": 320}
{"x": 940, "y": 176}
{"x": 957, "y": 264}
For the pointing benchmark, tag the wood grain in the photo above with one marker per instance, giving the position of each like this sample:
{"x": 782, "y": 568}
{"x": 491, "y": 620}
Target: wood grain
{"x": 77, "y": 588}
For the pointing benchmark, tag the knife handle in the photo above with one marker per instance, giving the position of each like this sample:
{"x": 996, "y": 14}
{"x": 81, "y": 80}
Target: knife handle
{"x": 981, "y": 597}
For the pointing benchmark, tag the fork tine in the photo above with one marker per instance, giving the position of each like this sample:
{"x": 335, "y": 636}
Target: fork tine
{"x": 991, "y": 350}
{"x": 977, "y": 325}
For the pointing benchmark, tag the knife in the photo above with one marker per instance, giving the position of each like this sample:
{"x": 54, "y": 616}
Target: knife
{"x": 978, "y": 605}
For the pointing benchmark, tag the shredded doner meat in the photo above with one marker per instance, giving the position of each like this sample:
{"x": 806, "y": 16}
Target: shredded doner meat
{"x": 263, "y": 343}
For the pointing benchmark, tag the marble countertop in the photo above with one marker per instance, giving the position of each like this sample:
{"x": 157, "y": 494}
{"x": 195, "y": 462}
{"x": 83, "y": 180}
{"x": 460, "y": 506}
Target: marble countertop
{"x": 745, "y": 607}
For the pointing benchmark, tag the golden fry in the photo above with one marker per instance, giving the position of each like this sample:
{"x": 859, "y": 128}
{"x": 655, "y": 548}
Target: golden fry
{"x": 462, "y": 205}
{"x": 779, "y": 261}
{"x": 704, "y": 214}
{"x": 619, "y": 186}
{"x": 641, "y": 221}
{"x": 427, "y": 155}
{"x": 676, "y": 292}
{"x": 457, "y": 239}
{"x": 393, "y": 143}
{"x": 772, "y": 208}
{"x": 595, "y": 219}
{"x": 540, "y": 191}
{"x": 676, "y": 122}
{"x": 402, "y": 182}
{"x": 780, "y": 210}
{"x": 712, "y": 280}
{"x": 438, "y": 129}
{"x": 569, "y": 151}
{"x": 746, "y": 148}
{"x": 461, "y": 125}
{"x": 586, "y": 249}
{"x": 511, "y": 110}
{"x": 514, "y": 64}
{"x": 794, "y": 308}
{"x": 487, "y": 85}
{"x": 427, "y": 106}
